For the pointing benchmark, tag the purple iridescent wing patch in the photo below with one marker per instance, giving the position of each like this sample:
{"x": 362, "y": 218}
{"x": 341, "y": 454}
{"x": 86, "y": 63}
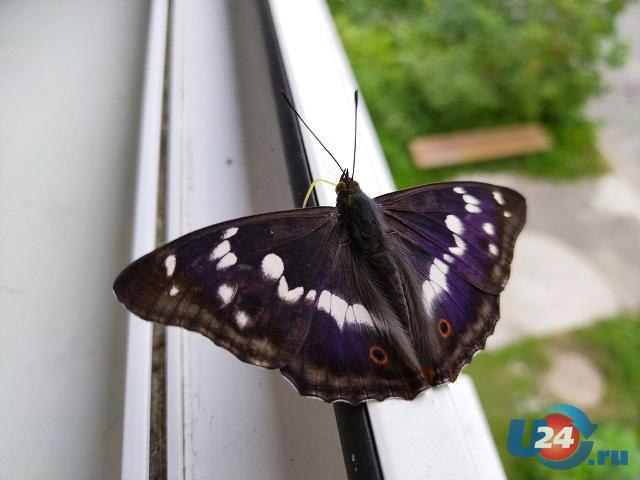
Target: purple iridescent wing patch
{"x": 460, "y": 239}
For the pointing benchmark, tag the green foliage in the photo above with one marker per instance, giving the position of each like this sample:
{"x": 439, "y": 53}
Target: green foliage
{"x": 508, "y": 383}
{"x": 428, "y": 66}
{"x": 615, "y": 348}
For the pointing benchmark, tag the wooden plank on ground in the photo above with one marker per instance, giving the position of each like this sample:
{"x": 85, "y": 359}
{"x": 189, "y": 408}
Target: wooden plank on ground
{"x": 477, "y": 145}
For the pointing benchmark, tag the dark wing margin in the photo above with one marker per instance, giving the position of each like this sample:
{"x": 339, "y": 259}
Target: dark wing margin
{"x": 460, "y": 238}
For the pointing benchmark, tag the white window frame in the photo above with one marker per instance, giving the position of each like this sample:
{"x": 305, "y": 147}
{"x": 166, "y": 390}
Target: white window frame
{"x": 442, "y": 434}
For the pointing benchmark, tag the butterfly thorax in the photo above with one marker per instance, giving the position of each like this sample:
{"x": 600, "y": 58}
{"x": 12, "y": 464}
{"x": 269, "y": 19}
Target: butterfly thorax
{"x": 365, "y": 231}
{"x": 360, "y": 217}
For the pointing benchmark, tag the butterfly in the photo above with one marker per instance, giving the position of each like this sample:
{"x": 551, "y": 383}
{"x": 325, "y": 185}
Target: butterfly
{"x": 374, "y": 298}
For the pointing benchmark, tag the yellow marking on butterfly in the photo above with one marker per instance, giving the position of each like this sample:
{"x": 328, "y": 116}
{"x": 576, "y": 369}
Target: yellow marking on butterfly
{"x": 312, "y": 186}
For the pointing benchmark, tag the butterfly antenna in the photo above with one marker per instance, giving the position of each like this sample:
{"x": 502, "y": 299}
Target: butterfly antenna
{"x": 286, "y": 99}
{"x": 355, "y": 133}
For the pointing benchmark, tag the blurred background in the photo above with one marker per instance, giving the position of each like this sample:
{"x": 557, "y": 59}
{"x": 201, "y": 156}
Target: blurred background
{"x": 542, "y": 96}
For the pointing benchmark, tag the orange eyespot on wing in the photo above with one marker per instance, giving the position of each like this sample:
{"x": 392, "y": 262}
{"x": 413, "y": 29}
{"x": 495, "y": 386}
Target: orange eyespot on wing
{"x": 444, "y": 328}
{"x": 378, "y": 355}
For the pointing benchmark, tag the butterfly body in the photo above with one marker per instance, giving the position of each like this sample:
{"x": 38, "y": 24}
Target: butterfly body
{"x": 387, "y": 286}
{"x": 374, "y": 298}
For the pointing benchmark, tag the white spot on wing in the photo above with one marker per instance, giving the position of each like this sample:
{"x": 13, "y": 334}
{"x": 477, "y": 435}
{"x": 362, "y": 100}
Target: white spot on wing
{"x": 310, "y": 296}
{"x": 226, "y": 261}
{"x": 362, "y": 315}
{"x": 472, "y": 208}
{"x": 342, "y": 312}
{"x": 433, "y": 286}
{"x": 470, "y": 199}
{"x": 287, "y": 295}
{"x": 272, "y": 266}
{"x": 454, "y": 224}
{"x": 351, "y": 316}
{"x": 493, "y": 249}
{"x": 229, "y": 232}
{"x": 242, "y": 319}
{"x": 447, "y": 257}
{"x": 438, "y": 274}
{"x": 459, "y": 190}
{"x": 488, "y": 227}
{"x": 429, "y": 295}
{"x": 460, "y": 247}
{"x": 221, "y": 250}
{"x": 338, "y": 310}
{"x": 507, "y": 213}
{"x": 442, "y": 266}
{"x": 498, "y": 197}
{"x": 174, "y": 291}
{"x": 324, "y": 302}
{"x": 170, "y": 264}
{"x": 226, "y": 293}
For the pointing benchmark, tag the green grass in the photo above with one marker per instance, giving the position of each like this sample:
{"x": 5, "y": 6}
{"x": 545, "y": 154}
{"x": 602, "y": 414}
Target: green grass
{"x": 507, "y": 382}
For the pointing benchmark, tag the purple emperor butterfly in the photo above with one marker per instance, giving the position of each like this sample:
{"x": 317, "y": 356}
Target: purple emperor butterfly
{"x": 374, "y": 298}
